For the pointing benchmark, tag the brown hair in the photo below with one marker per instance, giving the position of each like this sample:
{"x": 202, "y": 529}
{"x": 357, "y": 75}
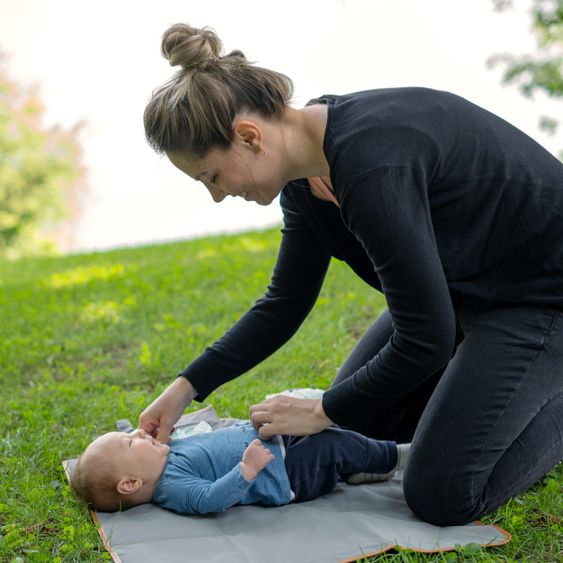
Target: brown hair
{"x": 195, "y": 109}
{"x": 94, "y": 480}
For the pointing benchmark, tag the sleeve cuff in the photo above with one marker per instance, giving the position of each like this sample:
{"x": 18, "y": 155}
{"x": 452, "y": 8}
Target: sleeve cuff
{"x": 203, "y": 373}
{"x": 243, "y": 482}
{"x": 332, "y": 407}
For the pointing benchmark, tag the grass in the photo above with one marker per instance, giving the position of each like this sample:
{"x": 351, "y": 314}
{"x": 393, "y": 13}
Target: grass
{"x": 88, "y": 339}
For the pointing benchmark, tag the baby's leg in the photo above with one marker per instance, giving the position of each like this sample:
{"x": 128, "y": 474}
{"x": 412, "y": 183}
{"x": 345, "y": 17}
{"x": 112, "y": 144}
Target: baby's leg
{"x": 314, "y": 463}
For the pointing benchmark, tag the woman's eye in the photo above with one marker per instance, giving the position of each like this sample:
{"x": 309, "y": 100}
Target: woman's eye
{"x": 214, "y": 179}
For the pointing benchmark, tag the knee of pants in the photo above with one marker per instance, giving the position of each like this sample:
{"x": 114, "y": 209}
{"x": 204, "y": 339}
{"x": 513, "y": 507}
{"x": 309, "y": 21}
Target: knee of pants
{"x": 438, "y": 495}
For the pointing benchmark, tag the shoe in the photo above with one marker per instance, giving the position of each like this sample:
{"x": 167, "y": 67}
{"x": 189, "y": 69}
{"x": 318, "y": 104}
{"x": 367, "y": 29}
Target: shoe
{"x": 357, "y": 478}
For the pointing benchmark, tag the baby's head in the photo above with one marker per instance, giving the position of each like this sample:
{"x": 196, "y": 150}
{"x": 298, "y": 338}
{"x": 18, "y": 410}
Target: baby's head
{"x": 119, "y": 470}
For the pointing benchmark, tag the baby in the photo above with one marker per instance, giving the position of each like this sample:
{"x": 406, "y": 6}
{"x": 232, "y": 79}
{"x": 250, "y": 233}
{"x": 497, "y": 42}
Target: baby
{"x": 214, "y": 471}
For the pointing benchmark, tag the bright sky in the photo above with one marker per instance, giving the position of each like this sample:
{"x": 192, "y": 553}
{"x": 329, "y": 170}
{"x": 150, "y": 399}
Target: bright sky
{"x": 99, "y": 62}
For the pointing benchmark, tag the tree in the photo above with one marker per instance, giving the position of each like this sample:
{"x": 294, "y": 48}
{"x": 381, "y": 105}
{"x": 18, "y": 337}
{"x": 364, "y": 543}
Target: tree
{"x": 41, "y": 174}
{"x": 542, "y": 71}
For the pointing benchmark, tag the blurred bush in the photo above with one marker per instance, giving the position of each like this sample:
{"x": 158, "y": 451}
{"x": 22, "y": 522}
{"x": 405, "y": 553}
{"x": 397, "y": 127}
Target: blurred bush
{"x": 543, "y": 70}
{"x": 41, "y": 174}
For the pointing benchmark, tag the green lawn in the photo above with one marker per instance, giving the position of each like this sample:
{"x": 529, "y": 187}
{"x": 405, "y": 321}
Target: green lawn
{"x": 88, "y": 339}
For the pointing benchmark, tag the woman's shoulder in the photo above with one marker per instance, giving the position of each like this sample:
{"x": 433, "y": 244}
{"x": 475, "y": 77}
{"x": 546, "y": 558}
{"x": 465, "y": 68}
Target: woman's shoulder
{"x": 382, "y": 95}
{"x": 401, "y": 127}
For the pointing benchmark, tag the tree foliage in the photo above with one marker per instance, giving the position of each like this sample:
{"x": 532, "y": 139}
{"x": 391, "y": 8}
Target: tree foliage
{"x": 40, "y": 170}
{"x": 543, "y": 70}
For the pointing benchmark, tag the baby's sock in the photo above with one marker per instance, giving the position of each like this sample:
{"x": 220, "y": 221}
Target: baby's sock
{"x": 402, "y": 455}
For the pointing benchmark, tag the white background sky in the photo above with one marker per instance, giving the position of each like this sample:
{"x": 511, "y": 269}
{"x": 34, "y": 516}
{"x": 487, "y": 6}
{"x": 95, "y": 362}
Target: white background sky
{"x": 99, "y": 62}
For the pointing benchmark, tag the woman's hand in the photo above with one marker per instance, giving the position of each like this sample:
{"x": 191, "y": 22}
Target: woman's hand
{"x": 288, "y": 415}
{"x": 161, "y": 415}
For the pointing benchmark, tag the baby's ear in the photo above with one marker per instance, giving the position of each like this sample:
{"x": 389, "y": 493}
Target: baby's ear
{"x": 129, "y": 485}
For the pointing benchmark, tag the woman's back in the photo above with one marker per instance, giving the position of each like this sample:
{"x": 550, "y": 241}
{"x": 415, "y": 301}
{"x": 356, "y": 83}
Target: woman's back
{"x": 495, "y": 196}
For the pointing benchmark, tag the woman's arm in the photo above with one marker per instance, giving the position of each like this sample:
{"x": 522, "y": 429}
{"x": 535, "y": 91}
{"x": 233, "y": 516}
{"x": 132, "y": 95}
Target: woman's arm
{"x": 296, "y": 281}
{"x": 297, "y": 278}
{"x": 388, "y": 211}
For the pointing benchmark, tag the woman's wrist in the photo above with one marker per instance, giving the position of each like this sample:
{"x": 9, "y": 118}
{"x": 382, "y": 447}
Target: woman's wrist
{"x": 185, "y": 388}
{"x": 321, "y": 415}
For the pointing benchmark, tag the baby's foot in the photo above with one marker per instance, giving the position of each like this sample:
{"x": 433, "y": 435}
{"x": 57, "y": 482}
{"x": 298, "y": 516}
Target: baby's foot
{"x": 402, "y": 454}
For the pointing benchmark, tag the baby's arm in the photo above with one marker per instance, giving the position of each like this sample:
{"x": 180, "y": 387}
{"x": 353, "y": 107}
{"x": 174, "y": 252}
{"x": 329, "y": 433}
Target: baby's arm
{"x": 194, "y": 495}
{"x": 199, "y": 496}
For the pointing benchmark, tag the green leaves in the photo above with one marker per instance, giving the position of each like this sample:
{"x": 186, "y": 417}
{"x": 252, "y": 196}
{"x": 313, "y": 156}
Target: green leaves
{"x": 543, "y": 71}
{"x": 40, "y": 169}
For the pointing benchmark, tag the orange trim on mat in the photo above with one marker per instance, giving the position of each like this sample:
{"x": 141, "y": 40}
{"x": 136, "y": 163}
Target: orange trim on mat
{"x": 507, "y": 538}
{"x": 105, "y": 539}
{"x": 370, "y": 554}
{"x": 98, "y": 524}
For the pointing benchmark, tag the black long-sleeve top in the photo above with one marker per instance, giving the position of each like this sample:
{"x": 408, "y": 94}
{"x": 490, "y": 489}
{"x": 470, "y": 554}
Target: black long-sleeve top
{"x": 439, "y": 199}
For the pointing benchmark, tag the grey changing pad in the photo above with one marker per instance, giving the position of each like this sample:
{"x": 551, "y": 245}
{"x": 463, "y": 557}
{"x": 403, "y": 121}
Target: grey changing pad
{"x": 352, "y": 522}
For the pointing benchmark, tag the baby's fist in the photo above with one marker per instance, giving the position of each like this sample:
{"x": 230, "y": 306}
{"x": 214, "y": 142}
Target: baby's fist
{"x": 255, "y": 457}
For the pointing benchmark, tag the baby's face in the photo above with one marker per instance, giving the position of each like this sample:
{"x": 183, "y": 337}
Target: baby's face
{"x": 135, "y": 453}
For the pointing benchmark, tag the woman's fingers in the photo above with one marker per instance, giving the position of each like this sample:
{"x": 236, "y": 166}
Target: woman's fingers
{"x": 148, "y": 425}
{"x": 264, "y": 418}
{"x": 263, "y": 406}
{"x": 159, "y": 417}
{"x": 270, "y": 413}
{"x": 268, "y": 431}
{"x": 261, "y": 413}
{"x": 260, "y": 417}
{"x": 288, "y": 415}
{"x": 164, "y": 432}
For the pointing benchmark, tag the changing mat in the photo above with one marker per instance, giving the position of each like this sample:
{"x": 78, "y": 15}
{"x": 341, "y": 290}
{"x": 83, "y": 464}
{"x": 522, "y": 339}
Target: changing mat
{"x": 351, "y": 522}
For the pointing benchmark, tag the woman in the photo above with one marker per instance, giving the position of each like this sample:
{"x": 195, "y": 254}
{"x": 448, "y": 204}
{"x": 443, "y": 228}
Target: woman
{"x": 451, "y": 212}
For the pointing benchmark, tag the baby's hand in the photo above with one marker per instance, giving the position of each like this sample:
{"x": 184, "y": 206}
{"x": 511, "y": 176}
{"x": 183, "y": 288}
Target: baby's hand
{"x": 254, "y": 459}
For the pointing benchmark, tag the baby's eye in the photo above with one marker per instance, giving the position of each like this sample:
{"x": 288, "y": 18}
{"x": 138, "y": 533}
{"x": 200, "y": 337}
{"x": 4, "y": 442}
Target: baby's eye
{"x": 130, "y": 443}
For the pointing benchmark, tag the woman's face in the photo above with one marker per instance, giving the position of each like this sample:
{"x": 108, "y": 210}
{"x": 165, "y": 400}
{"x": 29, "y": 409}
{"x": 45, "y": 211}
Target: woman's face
{"x": 249, "y": 168}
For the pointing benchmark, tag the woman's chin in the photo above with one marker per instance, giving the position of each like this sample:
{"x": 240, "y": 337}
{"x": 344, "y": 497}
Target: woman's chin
{"x": 262, "y": 200}
{"x": 263, "y": 203}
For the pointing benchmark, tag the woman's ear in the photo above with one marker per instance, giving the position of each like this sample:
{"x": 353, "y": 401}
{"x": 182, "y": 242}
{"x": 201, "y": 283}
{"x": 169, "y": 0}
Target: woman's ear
{"x": 248, "y": 134}
{"x": 129, "y": 485}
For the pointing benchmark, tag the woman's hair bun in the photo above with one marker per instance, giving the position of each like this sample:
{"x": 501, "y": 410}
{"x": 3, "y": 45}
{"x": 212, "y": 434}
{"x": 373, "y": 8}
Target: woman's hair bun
{"x": 190, "y": 47}
{"x": 237, "y": 54}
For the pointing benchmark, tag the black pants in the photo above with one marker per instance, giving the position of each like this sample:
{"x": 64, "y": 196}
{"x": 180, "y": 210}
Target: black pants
{"x": 488, "y": 425}
{"x": 316, "y": 463}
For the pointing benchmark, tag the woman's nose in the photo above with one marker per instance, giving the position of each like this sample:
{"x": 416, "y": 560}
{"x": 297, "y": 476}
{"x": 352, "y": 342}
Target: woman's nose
{"x": 217, "y": 195}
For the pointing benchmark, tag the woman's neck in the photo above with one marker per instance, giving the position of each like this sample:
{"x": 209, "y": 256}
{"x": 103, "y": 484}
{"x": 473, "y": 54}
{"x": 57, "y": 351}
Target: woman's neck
{"x": 303, "y": 138}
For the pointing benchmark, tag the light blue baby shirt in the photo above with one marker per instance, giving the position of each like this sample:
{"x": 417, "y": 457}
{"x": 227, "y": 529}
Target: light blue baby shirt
{"x": 202, "y": 473}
